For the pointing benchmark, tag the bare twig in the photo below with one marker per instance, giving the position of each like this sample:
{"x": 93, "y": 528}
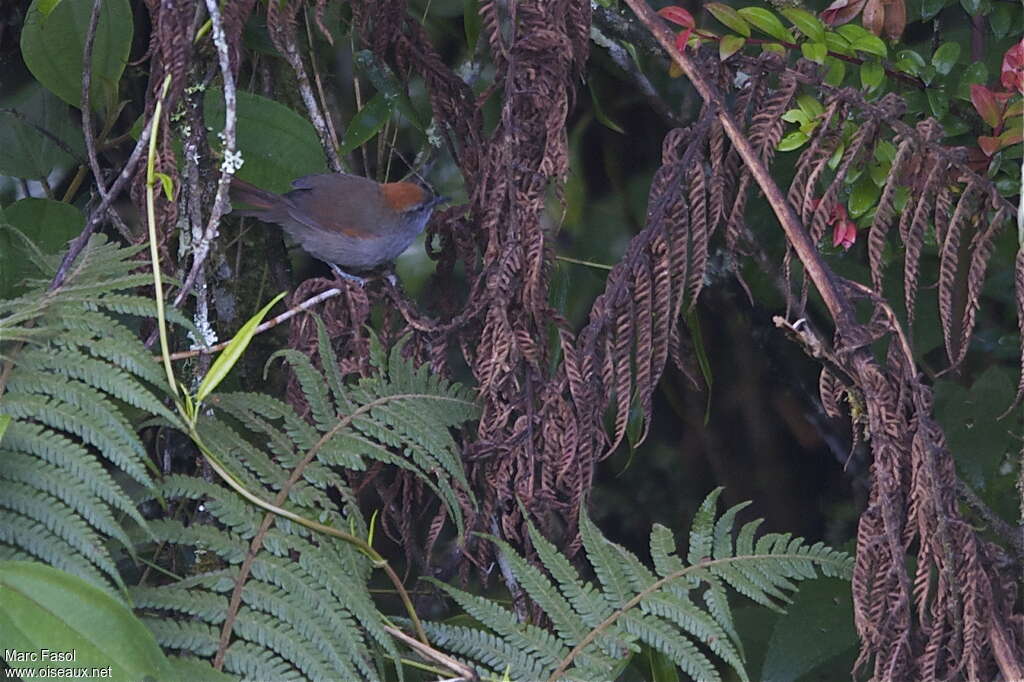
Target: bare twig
{"x": 269, "y": 324}
{"x": 332, "y": 135}
{"x": 1014, "y": 537}
{"x": 464, "y": 672}
{"x": 284, "y": 40}
{"x": 624, "y": 61}
{"x": 94, "y": 218}
{"x": 230, "y": 163}
{"x": 87, "y": 129}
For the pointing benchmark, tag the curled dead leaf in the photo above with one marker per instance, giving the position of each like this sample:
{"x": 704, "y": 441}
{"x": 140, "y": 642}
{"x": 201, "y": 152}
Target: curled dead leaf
{"x": 841, "y": 11}
{"x": 874, "y": 16}
{"x": 895, "y": 19}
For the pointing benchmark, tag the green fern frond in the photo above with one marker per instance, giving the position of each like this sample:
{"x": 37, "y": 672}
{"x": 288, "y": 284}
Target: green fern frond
{"x": 331, "y": 368}
{"x": 304, "y": 608}
{"x": 495, "y": 653}
{"x": 679, "y": 609}
{"x": 193, "y": 636}
{"x": 73, "y": 368}
{"x": 302, "y": 614}
{"x": 401, "y": 417}
{"x": 314, "y": 388}
{"x": 33, "y": 537}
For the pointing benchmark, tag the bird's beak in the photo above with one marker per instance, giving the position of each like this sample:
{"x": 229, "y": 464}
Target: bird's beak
{"x": 436, "y": 201}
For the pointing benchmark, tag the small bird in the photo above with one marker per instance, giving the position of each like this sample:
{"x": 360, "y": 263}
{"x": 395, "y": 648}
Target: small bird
{"x": 346, "y": 221}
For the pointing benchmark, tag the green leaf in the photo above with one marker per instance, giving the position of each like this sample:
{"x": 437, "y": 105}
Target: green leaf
{"x": 767, "y": 23}
{"x": 277, "y": 144}
{"x": 5, "y": 420}
{"x": 367, "y": 122}
{"x": 879, "y": 173}
{"x": 793, "y": 140}
{"x": 871, "y": 75}
{"x": 471, "y": 22}
{"x": 838, "y": 44}
{"x": 939, "y": 102}
{"x": 385, "y": 82}
{"x": 853, "y": 32}
{"x": 837, "y": 156}
{"x": 810, "y": 106}
{"x": 730, "y": 45}
{"x": 945, "y": 57}
{"x": 836, "y": 71}
{"x": 978, "y": 441}
{"x": 194, "y": 670}
{"x": 729, "y": 17}
{"x": 53, "y": 38}
{"x": 796, "y": 116}
{"x": 972, "y": 7}
{"x": 871, "y": 45}
{"x": 1001, "y": 19}
{"x": 806, "y": 23}
{"x": 600, "y": 115}
{"x": 49, "y": 224}
{"x": 974, "y": 74}
{"x": 930, "y": 8}
{"x": 660, "y": 667}
{"x": 885, "y": 151}
{"x": 167, "y": 183}
{"x": 25, "y": 151}
{"x": 230, "y": 355}
{"x": 49, "y": 610}
{"x": 910, "y": 62}
{"x": 823, "y": 607}
{"x": 955, "y": 126}
{"x": 863, "y": 197}
{"x": 816, "y": 52}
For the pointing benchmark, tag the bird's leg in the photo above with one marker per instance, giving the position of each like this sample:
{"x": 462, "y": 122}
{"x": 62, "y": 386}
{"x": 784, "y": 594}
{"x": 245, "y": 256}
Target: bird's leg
{"x": 390, "y": 276}
{"x": 345, "y": 275}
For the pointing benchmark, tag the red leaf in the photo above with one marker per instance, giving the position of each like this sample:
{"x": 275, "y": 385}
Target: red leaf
{"x": 1012, "y": 76}
{"x": 841, "y": 11}
{"x": 844, "y": 234}
{"x": 989, "y": 145}
{"x": 984, "y": 101}
{"x": 677, "y": 15}
{"x": 682, "y": 38}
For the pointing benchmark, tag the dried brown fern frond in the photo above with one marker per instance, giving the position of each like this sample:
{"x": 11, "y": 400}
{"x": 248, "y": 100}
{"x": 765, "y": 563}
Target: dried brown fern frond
{"x": 1018, "y": 288}
{"x": 950, "y": 263}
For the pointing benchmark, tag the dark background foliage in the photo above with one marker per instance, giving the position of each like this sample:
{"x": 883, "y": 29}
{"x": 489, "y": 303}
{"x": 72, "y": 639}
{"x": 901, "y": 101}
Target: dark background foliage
{"x": 564, "y": 160}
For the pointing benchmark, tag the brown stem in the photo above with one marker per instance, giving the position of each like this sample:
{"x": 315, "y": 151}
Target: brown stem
{"x": 94, "y": 218}
{"x": 87, "y": 129}
{"x": 816, "y": 269}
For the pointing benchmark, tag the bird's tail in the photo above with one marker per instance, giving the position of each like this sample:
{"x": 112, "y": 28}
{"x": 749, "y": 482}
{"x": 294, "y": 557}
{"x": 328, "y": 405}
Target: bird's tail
{"x": 250, "y": 200}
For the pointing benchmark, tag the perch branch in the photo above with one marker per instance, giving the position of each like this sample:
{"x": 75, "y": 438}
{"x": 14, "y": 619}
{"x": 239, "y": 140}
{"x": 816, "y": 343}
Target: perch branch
{"x": 269, "y": 324}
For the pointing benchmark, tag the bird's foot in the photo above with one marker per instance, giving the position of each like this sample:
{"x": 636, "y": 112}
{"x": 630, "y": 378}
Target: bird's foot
{"x": 345, "y": 275}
